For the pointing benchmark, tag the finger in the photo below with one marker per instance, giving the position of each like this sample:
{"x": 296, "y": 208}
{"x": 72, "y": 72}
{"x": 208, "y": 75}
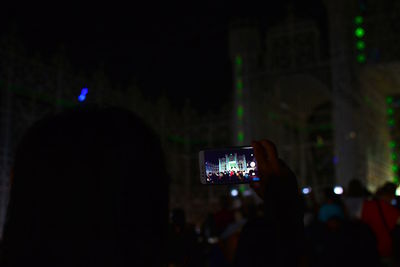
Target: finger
{"x": 272, "y": 154}
{"x": 261, "y": 157}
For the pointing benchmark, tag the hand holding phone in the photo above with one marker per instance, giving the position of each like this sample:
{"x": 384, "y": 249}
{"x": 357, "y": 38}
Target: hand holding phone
{"x": 272, "y": 171}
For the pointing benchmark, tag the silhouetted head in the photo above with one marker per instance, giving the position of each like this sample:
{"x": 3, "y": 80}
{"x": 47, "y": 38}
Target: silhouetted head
{"x": 387, "y": 191}
{"x": 357, "y": 189}
{"x": 79, "y": 196}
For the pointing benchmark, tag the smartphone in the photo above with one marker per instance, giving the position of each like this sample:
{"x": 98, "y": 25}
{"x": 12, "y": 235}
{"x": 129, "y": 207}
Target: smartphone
{"x": 236, "y": 165}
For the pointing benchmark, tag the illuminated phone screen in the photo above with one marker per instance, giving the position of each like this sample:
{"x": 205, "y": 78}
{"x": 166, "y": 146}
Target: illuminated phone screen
{"x": 230, "y": 166}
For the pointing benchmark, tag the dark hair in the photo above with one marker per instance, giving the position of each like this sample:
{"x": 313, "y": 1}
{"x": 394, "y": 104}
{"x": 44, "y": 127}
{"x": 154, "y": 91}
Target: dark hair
{"x": 387, "y": 189}
{"x": 78, "y": 196}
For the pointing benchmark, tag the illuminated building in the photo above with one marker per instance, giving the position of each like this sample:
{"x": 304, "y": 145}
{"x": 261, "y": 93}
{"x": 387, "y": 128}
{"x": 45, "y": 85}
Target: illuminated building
{"x": 320, "y": 92}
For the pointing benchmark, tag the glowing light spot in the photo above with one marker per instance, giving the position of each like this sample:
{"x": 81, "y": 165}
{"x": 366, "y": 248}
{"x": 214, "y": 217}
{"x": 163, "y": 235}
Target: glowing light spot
{"x": 389, "y": 100}
{"x": 392, "y": 144}
{"x": 306, "y": 190}
{"x": 361, "y": 58}
{"x": 239, "y": 61}
{"x": 338, "y": 190}
{"x": 256, "y": 179}
{"x": 83, "y": 94}
{"x": 394, "y": 156}
{"x": 252, "y": 164}
{"x": 240, "y": 111}
{"x": 234, "y": 192}
{"x": 84, "y": 91}
{"x": 395, "y": 168}
{"x": 81, "y": 98}
{"x": 398, "y": 191}
{"x": 390, "y": 111}
{"x": 239, "y": 84}
{"x": 391, "y": 122}
{"x": 358, "y": 20}
{"x": 360, "y": 45}
{"x": 240, "y": 136}
{"x": 359, "y": 32}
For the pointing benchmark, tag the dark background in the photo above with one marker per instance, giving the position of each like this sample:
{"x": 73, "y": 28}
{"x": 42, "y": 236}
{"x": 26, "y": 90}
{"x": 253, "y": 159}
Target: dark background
{"x": 176, "y": 49}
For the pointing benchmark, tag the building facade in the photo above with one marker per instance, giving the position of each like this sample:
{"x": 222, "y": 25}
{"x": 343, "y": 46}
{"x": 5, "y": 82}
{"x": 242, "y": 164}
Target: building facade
{"x": 320, "y": 92}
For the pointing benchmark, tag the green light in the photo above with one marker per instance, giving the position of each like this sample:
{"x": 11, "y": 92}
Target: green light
{"x": 361, "y": 58}
{"x": 359, "y": 32}
{"x": 358, "y": 20}
{"x": 395, "y": 168}
{"x": 239, "y": 61}
{"x": 396, "y": 180}
{"x": 239, "y": 84}
{"x": 242, "y": 188}
{"x": 240, "y": 112}
{"x": 360, "y": 45}
{"x": 392, "y": 144}
{"x": 389, "y": 100}
{"x": 390, "y": 111}
{"x": 240, "y": 136}
{"x": 394, "y": 157}
{"x": 391, "y": 122}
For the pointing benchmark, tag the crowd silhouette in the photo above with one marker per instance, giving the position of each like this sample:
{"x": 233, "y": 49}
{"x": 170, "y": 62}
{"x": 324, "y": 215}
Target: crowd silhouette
{"x": 76, "y": 201}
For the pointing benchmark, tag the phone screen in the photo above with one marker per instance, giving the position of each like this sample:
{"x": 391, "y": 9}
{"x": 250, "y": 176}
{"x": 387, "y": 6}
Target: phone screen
{"x": 228, "y": 166}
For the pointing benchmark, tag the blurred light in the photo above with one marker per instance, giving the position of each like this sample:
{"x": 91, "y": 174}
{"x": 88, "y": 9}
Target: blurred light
{"x": 242, "y": 188}
{"x": 394, "y": 156}
{"x": 394, "y": 202}
{"x": 338, "y": 190}
{"x": 81, "y": 98}
{"x": 395, "y": 168}
{"x": 212, "y": 240}
{"x": 392, "y": 144}
{"x": 358, "y": 20}
{"x": 84, "y": 91}
{"x": 252, "y": 164}
{"x": 320, "y": 141}
{"x": 361, "y": 58}
{"x": 359, "y": 32}
{"x": 390, "y": 111}
{"x": 239, "y": 84}
{"x": 306, "y": 190}
{"x": 234, "y": 192}
{"x": 398, "y": 191}
{"x": 253, "y": 173}
{"x": 247, "y": 193}
{"x": 335, "y": 160}
{"x": 360, "y": 45}
{"x": 389, "y": 100}
{"x": 256, "y": 179}
{"x": 239, "y": 60}
{"x": 240, "y": 136}
{"x": 240, "y": 111}
{"x": 83, "y": 94}
{"x": 391, "y": 122}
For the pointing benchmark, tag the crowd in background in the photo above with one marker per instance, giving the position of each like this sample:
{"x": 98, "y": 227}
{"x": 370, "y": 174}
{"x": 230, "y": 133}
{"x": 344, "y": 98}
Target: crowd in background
{"x": 350, "y": 228}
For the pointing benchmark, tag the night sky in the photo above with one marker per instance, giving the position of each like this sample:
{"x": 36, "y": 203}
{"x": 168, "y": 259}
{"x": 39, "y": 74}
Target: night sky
{"x": 167, "y": 48}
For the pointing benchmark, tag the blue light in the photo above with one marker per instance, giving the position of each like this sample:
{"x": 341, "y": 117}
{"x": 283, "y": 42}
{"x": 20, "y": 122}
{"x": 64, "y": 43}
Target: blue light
{"x": 81, "y": 98}
{"x": 83, "y": 94}
{"x": 306, "y": 190}
{"x": 256, "y": 179}
{"x": 84, "y": 91}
